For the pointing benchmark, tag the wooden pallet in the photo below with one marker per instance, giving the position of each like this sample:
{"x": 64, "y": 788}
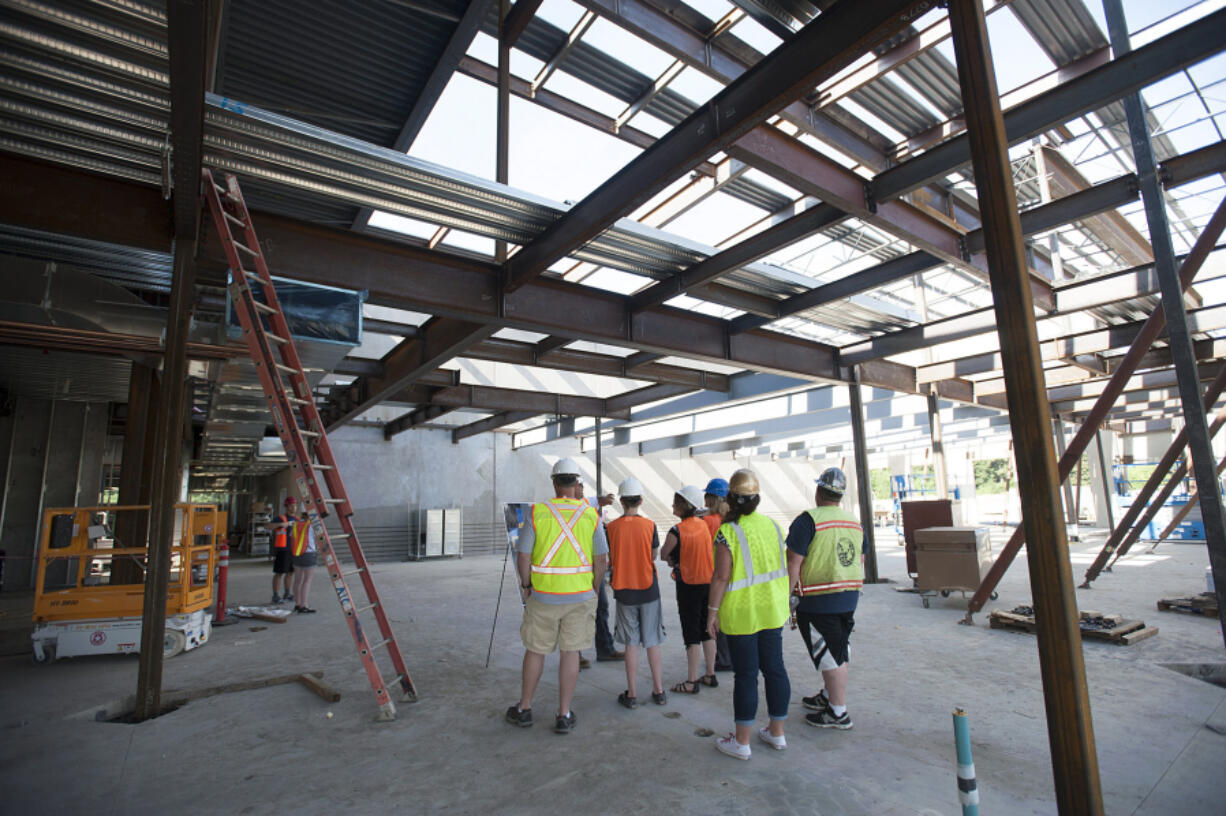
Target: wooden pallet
{"x": 1202, "y": 604}
{"x": 1122, "y": 633}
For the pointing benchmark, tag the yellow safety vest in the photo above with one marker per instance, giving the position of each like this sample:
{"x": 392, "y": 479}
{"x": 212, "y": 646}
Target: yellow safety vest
{"x": 832, "y": 563}
{"x": 300, "y": 529}
{"x": 757, "y": 594}
{"x": 562, "y": 553}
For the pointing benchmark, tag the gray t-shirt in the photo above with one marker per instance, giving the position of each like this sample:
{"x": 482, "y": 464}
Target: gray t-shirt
{"x": 600, "y": 546}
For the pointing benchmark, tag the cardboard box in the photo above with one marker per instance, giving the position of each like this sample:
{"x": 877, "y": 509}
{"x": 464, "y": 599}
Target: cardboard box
{"x": 916, "y": 515}
{"x": 953, "y": 557}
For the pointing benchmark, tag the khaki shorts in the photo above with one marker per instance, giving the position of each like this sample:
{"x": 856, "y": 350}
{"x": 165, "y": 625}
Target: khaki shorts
{"x": 567, "y": 627}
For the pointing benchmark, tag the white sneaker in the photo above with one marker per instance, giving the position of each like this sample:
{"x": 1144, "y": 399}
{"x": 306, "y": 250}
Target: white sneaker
{"x": 728, "y": 745}
{"x": 778, "y": 743}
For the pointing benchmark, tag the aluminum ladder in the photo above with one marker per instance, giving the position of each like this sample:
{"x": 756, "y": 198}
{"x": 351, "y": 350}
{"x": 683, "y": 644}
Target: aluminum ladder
{"x": 302, "y": 432}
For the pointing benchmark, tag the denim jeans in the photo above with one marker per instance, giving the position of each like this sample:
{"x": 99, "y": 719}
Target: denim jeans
{"x": 604, "y": 637}
{"x": 761, "y": 651}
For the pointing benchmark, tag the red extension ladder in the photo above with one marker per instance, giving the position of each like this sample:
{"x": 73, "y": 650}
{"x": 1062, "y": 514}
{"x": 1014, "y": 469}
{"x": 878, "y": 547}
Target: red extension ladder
{"x": 301, "y": 430}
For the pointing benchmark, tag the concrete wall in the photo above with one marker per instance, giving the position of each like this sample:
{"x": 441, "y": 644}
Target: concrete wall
{"x": 386, "y": 480}
{"x": 63, "y": 440}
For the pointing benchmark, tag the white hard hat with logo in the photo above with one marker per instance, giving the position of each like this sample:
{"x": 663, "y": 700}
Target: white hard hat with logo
{"x": 565, "y": 467}
{"x": 630, "y": 487}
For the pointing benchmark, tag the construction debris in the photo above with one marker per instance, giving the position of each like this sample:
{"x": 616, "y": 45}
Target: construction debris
{"x": 1094, "y": 625}
{"x": 1203, "y": 604}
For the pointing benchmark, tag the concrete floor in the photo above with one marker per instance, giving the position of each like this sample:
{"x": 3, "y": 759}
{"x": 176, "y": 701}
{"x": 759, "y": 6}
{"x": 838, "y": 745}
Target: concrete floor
{"x": 1161, "y": 735}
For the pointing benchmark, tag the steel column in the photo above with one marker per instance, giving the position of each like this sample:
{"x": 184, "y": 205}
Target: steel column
{"x": 1199, "y": 445}
{"x": 166, "y": 482}
{"x": 599, "y": 472}
{"x": 502, "y": 127}
{"x": 1057, "y": 426}
{"x": 864, "y": 482}
{"x": 1070, "y": 728}
{"x": 938, "y": 446}
{"x": 1106, "y": 474}
{"x": 187, "y": 26}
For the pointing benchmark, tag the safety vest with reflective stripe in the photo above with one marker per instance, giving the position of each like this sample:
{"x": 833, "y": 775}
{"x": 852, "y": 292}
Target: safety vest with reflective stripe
{"x": 630, "y": 552}
{"x": 695, "y": 556}
{"x": 757, "y": 594}
{"x": 300, "y": 530}
{"x": 562, "y": 552}
{"x": 833, "y": 561}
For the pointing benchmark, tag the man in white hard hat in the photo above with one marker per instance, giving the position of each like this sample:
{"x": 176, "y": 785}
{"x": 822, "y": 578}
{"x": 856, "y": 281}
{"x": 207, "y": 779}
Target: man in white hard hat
{"x": 826, "y": 569}
{"x": 561, "y": 558}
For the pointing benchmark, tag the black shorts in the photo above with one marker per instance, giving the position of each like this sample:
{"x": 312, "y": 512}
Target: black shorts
{"x": 692, "y": 609}
{"x": 830, "y": 641}
{"x": 282, "y": 561}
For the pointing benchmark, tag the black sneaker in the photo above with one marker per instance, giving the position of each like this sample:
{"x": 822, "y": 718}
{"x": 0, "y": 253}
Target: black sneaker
{"x": 828, "y": 719}
{"x": 818, "y": 702}
{"x": 521, "y": 718}
{"x": 564, "y": 725}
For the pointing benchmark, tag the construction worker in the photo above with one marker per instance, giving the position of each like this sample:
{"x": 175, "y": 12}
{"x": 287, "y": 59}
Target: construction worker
{"x": 561, "y": 559}
{"x": 282, "y": 561}
{"x": 749, "y": 603}
{"x": 305, "y": 556}
{"x": 826, "y": 569}
{"x": 688, "y": 548}
{"x": 633, "y": 542}
{"x": 713, "y": 496}
{"x": 605, "y": 650}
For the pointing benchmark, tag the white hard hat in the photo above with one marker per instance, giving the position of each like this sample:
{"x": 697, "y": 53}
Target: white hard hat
{"x": 630, "y": 487}
{"x": 565, "y": 467}
{"x": 693, "y": 495}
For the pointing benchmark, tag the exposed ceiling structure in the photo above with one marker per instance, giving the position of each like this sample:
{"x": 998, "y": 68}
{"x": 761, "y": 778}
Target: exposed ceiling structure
{"x": 780, "y": 223}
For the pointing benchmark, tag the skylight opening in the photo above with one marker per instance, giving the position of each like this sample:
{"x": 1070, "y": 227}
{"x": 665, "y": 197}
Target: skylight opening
{"x": 872, "y": 121}
{"x": 562, "y": 13}
{"x": 714, "y": 218}
{"x": 712, "y": 9}
{"x": 563, "y": 83}
{"x": 756, "y": 35}
{"x": 380, "y": 219}
{"x": 649, "y": 124}
{"x": 1016, "y": 57}
{"x": 469, "y": 241}
{"x": 614, "y": 280}
{"x": 618, "y": 42}
{"x": 695, "y": 85}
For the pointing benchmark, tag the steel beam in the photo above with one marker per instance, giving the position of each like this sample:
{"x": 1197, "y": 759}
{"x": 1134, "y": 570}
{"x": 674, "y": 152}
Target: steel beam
{"x": 1125, "y": 74}
{"x": 685, "y": 34}
{"x": 414, "y": 418}
{"x": 490, "y": 423}
{"x": 517, "y": 20}
{"x": 1200, "y": 444}
{"x": 1061, "y": 663}
{"x": 838, "y": 36}
{"x": 440, "y": 340}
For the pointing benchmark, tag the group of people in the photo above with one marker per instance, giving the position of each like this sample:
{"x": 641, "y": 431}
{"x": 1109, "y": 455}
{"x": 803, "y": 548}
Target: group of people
{"x": 294, "y": 557}
{"x": 738, "y": 580}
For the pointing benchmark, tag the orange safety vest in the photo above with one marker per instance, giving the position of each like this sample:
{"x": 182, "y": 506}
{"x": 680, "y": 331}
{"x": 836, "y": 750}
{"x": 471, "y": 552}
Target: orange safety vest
{"x": 630, "y": 552}
{"x": 280, "y": 540}
{"x": 713, "y": 521}
{"x": 697, "y": 558}
{"x": 300, "y": 528}
{"x": 563, "y": 552}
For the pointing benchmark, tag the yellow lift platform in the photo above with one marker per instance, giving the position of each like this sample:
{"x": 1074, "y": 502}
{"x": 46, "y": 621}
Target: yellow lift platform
{"x": 89, "y": 592}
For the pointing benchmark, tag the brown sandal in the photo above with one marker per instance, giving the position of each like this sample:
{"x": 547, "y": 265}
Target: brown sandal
{"x": 687, "y": 687}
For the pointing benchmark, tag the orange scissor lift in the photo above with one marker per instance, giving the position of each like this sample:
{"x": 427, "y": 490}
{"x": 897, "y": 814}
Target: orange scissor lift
{"x": 89, "y": 591}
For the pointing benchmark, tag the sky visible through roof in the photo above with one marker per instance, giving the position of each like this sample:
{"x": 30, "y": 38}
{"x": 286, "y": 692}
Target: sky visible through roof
{"x": 558, "y": 158}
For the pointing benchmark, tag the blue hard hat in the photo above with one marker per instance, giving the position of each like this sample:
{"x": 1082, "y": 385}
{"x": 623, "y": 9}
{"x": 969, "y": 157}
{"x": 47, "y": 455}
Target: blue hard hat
{"x": 717, "y": 487}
